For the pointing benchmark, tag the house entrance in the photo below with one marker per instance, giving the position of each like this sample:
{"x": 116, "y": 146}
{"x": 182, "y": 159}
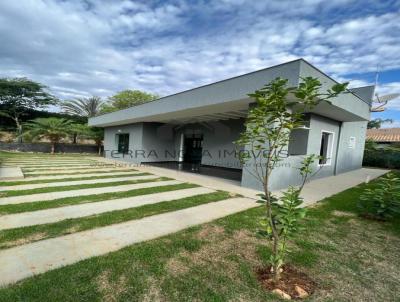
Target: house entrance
{"x": 193, "y": 148}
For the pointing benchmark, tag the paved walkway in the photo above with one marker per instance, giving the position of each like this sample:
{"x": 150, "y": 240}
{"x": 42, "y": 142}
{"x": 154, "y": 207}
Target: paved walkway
{"x": 324, "y": 187}
{"x": 73, "y": 176}
{"x": 87, "y": 209}
{"x": 77, "y": 171}
{"x": 27, "y": 260}
{"x": 314, "y": 191}
{"x": 10, "y": 173}
{"x": 73, "y": 182}
{"x": 66, "y": 167}
{"x": 86, "y": 192}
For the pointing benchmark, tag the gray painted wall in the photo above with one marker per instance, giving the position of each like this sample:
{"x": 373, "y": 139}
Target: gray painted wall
{"x": 351, "y": 158}
{"x": 286, "y": 173}
{"x": 152, "y": 142}
{"x": 135, "y": 141}
{"x": 219, "y": 146}
{"x": 158, "y": 143}
{"x": 219, "y": 136}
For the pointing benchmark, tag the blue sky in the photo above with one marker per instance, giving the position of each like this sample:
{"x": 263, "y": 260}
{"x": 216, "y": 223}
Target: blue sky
{"x": 92, "y": 47}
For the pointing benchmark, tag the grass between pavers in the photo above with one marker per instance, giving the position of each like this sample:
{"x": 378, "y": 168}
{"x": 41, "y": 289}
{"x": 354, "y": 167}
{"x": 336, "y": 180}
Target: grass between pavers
{"x": 12, "y": 193}
{"x": 18, "y": 236}
{"x": 55, "y": 203}
{"x": 12, "y": 154}
{"x": 350, "y": 258}
{"x": 50, "y": 180}
{"x": 62, "y": 167}
{"x": 79, "y": 173}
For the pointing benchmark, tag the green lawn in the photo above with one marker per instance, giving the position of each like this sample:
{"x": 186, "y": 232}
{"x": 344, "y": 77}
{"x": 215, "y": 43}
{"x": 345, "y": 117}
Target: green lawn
{"x": 11, "y": 193}
{"x": 55, "y": 203}
{"x": 41, "y": 181}
{"x": 29, "y": 234}
{"x": 351, "y": 259}
{"x": 109, "y": 170}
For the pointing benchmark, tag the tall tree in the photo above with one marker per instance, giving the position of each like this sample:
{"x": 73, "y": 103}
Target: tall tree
{"x": 127, "y": 98}
{"x": 17, "y": 95}
{"x": 53, "y": 129}
{"x": 377, "y": 123}
{"x": 85, "y": 107}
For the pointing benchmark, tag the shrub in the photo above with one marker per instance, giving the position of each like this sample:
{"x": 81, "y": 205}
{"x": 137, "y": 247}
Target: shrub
{"x": 382, "y": 158}
{"x": 382, "y": 201}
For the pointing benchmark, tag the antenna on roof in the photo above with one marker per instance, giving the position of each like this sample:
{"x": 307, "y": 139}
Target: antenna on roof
{"x": 381, "y": 101}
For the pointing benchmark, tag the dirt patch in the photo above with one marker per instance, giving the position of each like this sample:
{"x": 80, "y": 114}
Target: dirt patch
{"x": 290, "y": 279}
{"x": 72, "y": 229}
{"x": 210, "y": 232}
{"x": 153, "y": 293}
{"x": 109, "y": 289}
{"x": 343, "y": 214}
{"x": 177, "y": 267}
{"x": 25, "y": 240}
{"x": 220, "y": 253}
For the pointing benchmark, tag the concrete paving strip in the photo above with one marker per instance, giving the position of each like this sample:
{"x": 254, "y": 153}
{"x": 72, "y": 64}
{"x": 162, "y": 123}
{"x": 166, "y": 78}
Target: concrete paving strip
{"x": 51, "y": 164}
{"x": 71, "y": 176}
{"x": 11, "y": 173}
{"x": 63, "y": 167}
{"x": 92, "y": 208}
{"x": 319, "y": 189}
{"x": 22, "y": 160}
{"x": 84, "y": 192}
{"x": 28, "y": 260}
{"x": 75, "y": 182}
{"x": 79, "y": 170}
{"x": 33, "y": 162}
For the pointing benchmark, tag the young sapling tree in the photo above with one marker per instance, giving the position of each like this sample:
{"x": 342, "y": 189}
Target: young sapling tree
{"x": 278, "y": 110}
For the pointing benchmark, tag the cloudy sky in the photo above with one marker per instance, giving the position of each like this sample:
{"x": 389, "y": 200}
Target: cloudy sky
{"x": 98, "y": 47}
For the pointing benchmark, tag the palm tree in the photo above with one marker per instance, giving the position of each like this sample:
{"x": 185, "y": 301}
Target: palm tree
{"x": 86, "y": 107}
{"x": 52, "y": 128}
{"x": 93, "y": 133}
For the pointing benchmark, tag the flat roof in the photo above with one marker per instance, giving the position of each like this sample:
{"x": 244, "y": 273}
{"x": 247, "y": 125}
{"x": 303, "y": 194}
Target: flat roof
{"x": 228, "y": 95}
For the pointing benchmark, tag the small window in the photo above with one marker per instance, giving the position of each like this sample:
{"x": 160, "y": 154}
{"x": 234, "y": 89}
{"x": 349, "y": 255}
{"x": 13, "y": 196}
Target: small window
{"x": 298, "y": 142}
{"x": 326, "y": 148}
{"x": 123, "y": 143}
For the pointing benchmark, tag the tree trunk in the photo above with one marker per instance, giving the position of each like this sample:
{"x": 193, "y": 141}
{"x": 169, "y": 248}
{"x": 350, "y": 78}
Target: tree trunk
{"x": 53, "y": 148}
{"x": 99, "y": 149}
{"x": 74, "y": 138}
{"x": 19, "y": 130}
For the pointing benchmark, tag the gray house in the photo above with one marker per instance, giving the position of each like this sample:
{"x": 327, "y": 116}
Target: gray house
{"x": 194, "y": 130}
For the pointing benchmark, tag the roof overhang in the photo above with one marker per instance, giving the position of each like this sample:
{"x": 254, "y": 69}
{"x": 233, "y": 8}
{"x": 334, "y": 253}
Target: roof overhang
{"x": 229, "y": 99}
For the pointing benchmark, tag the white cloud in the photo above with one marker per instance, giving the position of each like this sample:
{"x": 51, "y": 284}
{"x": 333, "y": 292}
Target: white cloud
{"x": 88, "y": 47}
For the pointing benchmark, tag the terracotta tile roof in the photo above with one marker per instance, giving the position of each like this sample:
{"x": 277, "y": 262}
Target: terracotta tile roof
{"x": 384, "y": 135}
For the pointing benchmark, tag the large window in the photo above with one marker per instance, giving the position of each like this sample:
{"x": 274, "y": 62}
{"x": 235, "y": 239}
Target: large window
{"x": 123, "y": 142}
{"x": 326, "y": 148}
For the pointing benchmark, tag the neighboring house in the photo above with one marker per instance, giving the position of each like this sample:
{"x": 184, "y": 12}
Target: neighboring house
{"x": 384, "y": 137}
{"x": 197, "y": 127}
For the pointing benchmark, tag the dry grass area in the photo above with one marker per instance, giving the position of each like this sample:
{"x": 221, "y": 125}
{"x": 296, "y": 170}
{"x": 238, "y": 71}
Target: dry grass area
{"x": 20, "y": 241}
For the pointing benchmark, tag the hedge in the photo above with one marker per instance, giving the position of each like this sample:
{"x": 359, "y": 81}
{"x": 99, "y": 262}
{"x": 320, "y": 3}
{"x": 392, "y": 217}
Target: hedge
{"x": 382, "y": 158}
